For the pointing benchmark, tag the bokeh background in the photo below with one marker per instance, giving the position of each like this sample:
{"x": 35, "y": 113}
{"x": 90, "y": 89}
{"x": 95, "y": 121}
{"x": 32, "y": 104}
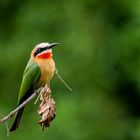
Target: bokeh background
{"x": 98, "y": 56}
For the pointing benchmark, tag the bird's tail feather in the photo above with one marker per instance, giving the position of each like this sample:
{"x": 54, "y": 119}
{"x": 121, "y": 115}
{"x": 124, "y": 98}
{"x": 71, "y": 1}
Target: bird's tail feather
{"x": 17, "y": 120}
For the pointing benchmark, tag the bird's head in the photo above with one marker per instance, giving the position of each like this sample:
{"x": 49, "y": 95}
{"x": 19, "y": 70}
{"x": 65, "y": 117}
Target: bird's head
{"x": 43, "y": 50}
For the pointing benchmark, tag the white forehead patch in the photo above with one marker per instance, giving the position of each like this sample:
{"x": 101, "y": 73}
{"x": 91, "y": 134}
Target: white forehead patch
{"x": 42, "y": 45}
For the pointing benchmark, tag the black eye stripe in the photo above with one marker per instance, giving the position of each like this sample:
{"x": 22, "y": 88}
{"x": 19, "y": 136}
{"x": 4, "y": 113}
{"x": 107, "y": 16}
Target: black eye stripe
{"x": 39, "y": 50}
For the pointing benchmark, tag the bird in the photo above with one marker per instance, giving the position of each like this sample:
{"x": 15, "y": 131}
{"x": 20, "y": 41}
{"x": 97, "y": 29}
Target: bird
{"x": 38, "y": 72}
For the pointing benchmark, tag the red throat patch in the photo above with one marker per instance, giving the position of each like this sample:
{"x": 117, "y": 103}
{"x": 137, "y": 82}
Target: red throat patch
{"x": 45, "y": 55}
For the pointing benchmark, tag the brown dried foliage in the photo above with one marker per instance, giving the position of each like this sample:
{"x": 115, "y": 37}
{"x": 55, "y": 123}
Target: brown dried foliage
{"x": 46, "y": 108}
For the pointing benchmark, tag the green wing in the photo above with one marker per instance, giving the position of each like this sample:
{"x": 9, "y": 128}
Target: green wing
{"x": 30, "y": 76}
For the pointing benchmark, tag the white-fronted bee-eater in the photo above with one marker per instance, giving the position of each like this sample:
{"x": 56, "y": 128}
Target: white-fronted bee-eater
{"x": 38, "y": 72}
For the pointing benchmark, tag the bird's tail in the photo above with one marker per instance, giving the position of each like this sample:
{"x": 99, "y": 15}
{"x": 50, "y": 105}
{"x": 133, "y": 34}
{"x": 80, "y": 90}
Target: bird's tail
{"x": 17, "y": 120}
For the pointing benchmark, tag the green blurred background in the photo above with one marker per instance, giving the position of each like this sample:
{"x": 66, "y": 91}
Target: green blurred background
{"x": 98, "y": 56}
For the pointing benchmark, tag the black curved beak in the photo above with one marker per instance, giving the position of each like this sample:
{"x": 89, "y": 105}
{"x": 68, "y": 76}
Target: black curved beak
{"x": 52, "y": 45}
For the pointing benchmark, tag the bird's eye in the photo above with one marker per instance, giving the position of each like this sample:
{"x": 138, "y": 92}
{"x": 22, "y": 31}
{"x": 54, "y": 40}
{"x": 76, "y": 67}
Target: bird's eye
{"x": 39, "y": 49}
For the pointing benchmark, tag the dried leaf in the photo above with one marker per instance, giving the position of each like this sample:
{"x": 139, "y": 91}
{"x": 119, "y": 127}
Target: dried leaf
{"x": 46, "y": 108}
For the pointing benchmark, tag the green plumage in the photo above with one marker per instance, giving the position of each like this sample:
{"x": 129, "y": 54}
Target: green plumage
{"x": 30, "y": 77}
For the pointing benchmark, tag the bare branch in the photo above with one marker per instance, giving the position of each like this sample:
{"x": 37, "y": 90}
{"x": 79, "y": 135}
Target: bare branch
{"x": 6, "y": 125}
{"x": 61, "y": 79}
{"x": 18, "y": 108}
{"x": 46, "y": 108}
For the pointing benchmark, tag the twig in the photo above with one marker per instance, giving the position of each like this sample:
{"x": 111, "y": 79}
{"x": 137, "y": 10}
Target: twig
{"x": 37, "y": 98}
{"x": 6, "y": 125}
{"x": 18, "y": 108}
{"x": 38, "y": 92}
{"x": 61, "y": 79}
